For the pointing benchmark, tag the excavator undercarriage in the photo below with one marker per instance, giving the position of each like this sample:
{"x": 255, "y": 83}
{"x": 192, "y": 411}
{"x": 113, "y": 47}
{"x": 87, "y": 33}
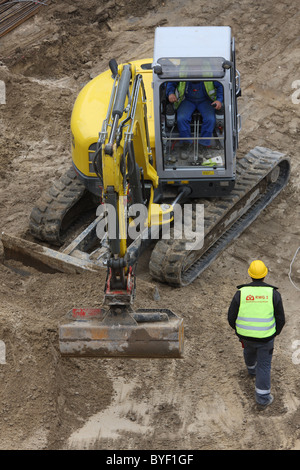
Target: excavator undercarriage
{"x": 261, "y": 175}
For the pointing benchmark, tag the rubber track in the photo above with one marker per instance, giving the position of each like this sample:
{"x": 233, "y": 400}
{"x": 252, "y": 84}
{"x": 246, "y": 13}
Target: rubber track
{"x": 57, "y": 209}
{"x": 171, "y": 263}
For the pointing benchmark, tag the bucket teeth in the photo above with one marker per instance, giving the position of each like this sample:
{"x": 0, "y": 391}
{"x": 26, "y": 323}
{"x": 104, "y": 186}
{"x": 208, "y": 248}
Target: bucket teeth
{"x": 144, "y": 333}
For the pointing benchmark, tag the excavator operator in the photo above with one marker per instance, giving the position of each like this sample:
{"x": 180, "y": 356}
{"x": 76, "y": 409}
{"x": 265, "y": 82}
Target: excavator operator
{"x": 188, "y": 97}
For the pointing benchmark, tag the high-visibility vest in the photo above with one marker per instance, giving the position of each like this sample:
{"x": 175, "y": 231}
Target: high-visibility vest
{"x": 256, "y": 313}
{"x": 209, "y": 87}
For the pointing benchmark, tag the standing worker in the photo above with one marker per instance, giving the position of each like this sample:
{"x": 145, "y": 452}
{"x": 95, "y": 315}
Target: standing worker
{"x": 256, "y": 314}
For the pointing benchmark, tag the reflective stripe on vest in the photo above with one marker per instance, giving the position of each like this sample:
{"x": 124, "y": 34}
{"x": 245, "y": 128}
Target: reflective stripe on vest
{"x": 209, "y": 88}
{"x": 256, "y": 313}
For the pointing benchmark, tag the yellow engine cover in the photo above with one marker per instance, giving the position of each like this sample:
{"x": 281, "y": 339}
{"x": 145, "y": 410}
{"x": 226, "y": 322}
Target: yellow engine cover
{"x": 90, "y": 110}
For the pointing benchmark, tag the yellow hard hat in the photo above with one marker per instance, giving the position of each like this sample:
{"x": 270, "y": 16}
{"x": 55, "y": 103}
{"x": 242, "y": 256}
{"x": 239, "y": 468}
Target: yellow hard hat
{"x": 257, "y": 269}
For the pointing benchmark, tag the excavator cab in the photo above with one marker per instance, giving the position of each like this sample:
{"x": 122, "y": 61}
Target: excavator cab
{"x": 184, "y": 56}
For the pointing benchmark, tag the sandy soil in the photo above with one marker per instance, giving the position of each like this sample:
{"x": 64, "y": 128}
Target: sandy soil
{"x": 205, "y": 400}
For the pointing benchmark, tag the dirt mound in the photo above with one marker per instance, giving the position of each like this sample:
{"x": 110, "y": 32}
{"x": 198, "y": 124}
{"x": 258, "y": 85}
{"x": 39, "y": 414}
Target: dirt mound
{"x": 205, "y": 400}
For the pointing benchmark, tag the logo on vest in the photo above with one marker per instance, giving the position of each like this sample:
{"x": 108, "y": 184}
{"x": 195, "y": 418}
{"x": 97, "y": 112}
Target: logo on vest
{"x": 257, "y": 298}
{"x": 249, "y": 297}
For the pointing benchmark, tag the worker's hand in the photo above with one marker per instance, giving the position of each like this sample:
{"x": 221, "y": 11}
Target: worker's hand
{"x": 172, "y": 98}
{"x": 217, "y": 104}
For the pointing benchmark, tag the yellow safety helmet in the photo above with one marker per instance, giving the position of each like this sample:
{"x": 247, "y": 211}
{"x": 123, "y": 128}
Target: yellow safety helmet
{"x": 257, "y": 269}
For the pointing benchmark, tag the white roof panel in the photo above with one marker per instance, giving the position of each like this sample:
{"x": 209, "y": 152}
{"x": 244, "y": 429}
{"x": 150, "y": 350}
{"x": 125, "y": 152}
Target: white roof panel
{"x": 192, "y": 41}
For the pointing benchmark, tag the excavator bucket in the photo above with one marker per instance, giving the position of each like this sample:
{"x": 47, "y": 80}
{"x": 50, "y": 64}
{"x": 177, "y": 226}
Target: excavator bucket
{"x": 116, "y": 330}
{"x": 95, "y": 332}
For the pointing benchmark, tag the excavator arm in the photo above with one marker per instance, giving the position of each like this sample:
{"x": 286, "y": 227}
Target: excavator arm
{"x": 124, "y": 130}
{"x": 123, "y": 161}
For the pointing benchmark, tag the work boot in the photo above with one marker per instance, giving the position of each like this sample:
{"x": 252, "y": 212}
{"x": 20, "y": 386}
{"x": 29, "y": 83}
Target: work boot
{"x": 205, "y": 152}
{"x": 263, "y": 407}
{"x": 187, "y": 150}
{"x": 172, "y": 159}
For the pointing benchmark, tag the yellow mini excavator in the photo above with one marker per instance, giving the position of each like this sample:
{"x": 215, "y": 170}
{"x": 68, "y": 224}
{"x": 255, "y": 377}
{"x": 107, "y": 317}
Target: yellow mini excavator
{"x": 131, "y": 167}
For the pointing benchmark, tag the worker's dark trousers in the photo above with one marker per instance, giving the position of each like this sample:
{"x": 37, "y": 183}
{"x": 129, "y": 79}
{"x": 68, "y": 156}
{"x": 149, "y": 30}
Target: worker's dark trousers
{"x": 184, "y": 117}
{"x": 258, "y": 358}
